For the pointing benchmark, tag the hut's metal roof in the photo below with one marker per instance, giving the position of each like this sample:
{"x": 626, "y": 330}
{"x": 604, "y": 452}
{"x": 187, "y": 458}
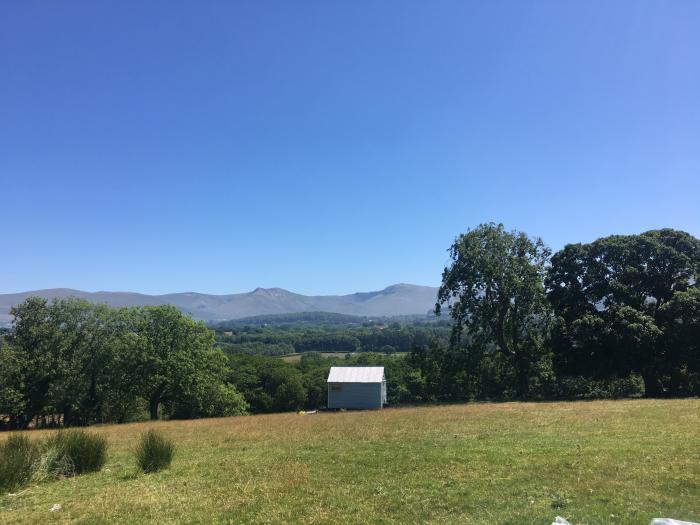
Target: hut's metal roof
{"x": 356, "y": 374}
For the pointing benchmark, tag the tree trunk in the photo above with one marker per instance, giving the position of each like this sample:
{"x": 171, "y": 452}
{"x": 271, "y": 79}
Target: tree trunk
{"x": 153, "y": 408}
{"x": 652, "y": 385}
{"x": 523, "y": 379}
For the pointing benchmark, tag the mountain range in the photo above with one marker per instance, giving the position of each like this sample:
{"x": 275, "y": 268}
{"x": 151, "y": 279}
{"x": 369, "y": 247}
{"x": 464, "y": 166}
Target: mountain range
{"x": 398, "y": 299}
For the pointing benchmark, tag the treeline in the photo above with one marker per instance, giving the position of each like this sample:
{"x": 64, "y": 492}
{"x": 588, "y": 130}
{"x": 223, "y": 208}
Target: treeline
{"x": 616, "y": 317}
{"x": 297, "y": 319}
{"x": 70, "y": 362}
{"x": 613, "y": 318}
{"x": 270, "y": 384}
{"x": 281, "y": 340}
{"x": 604, "y": 313}
{"x": 431, "y": 374}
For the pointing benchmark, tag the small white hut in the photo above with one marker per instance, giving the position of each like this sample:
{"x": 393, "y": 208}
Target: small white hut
{"x": 356, "y": 387}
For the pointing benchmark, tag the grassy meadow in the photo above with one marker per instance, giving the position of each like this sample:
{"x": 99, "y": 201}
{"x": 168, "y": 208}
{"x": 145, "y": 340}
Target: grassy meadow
{"x": 295, "y": 358}
{"x": 621, "y": 462}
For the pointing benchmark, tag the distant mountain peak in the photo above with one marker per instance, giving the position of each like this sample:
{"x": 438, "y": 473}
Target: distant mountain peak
{"x": 270, "y": 292}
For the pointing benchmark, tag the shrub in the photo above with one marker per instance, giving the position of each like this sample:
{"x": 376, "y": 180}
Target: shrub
{"x": 72, "y": 452}
{"x": 51, "y": 464}
{"x": 216, "y": 400}
{"x": 155, "y": 451}
{"x": 576, "y": 387}
{"x": 17, "y": 457}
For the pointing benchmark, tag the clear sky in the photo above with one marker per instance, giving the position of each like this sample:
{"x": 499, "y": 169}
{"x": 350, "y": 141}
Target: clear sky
{"x": 332, "y": 147}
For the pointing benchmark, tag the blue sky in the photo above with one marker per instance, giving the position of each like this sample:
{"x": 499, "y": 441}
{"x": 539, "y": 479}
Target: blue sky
{"x": 331, "y": 147}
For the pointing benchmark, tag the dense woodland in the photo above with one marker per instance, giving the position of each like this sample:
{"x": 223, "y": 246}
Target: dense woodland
{"x": 614, "y": 318}
{"x": 347, "y": 334}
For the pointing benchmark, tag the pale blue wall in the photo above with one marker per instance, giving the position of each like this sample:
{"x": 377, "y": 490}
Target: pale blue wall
{"x": 356, "y": 395}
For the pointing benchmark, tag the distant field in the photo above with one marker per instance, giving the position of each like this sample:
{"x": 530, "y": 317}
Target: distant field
{"x": 599, "y": 462}
{"x": 295, "y": 358}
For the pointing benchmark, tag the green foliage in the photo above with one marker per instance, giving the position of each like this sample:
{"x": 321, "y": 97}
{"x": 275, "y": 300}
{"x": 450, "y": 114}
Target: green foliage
{"x": 368, "y": 337}
{"x": 215, "y": 400}
{"x": 176, "y": 357}
{"x": 268, "y": 384}
{"x": 587, "y": 388}
{"x": 18, "y": 456}
{"x": 63, "y": 454}
{"x": 74, "y": 452}
{"x": 295, "y": 319}
{"x": 494, "y": 291}
{"x": 77, "y": 363}
{"x": 64, "y": 351}
{"x": 680, "y": 322}
{"x": 12, "y": 402}
{"x": 625, "y": 304}
{"x": 155, "y": 451}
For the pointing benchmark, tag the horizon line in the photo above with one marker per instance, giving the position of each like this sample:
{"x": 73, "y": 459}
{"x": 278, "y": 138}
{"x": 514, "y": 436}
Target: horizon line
{"x": 212, "y": 294}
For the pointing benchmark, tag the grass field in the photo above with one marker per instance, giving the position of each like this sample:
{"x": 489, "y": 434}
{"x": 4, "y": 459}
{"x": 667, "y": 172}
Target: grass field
{"x": 600, "y": 462}
{"x": 295, "y": 358}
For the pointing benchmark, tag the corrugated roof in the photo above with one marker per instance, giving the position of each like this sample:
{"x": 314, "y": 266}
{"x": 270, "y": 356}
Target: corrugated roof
{"x": 356, "y": 374}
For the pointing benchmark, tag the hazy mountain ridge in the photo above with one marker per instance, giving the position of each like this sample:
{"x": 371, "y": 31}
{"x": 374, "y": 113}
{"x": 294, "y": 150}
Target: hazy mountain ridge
{"x": 398, "y": 299}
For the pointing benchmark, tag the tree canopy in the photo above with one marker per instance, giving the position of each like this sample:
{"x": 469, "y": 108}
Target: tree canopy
{"x": 77, "y": 363}
{"x": 618, "y": 302}
{"x": 494, "y": 290}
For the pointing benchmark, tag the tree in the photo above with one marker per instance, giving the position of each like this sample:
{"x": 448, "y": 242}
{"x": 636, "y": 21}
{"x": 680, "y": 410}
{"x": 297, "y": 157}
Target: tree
{"x": 176, "y": 357}
{"x": 680, "y": 319}
{"x": 12, "y": 402}
{"x": 610, "y": 296}
{"x": 65, "y": 350}
{"x": 86, "y": 335}
{"x": 267, "y": 383}
{"x": 35, "y": 340}
{"x": 494, "y": 291}
{"x": 74, "y": 363}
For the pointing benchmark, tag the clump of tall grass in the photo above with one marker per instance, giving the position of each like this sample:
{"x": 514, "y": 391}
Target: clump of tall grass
{"x": 72, "y": 452}
{"x": 18, "y": 456}
{"x": 155, "y": 451}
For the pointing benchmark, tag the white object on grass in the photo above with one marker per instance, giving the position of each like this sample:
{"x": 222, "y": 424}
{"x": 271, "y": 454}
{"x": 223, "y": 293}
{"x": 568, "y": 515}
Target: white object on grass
{"x": 55, "y": 507}
{"x": 560, "y": 521}
{"x": 669, "y": 521}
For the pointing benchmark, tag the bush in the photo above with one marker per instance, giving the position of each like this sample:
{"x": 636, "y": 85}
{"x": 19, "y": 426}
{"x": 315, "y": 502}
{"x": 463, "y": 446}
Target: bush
{"x": 215, "y": 400}
{"x": 17, "y": 458}
{"x": 155, "y": 451}
{"x": 72, "y": 452}
{"x": 576, "y": 387}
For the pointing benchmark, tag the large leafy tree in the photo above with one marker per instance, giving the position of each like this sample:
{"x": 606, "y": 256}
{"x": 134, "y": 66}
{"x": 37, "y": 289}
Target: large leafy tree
{"x": 174, "y": 360}
{"x": 64, "y": 353}
{"x": 35, "y": 341}
{"x": 87, "y": 336}
{"x": 610, "y": 297}
{"x": 494, "y": 291}
{"x": 79, "y": 363}
{"x": 63, "y": 350}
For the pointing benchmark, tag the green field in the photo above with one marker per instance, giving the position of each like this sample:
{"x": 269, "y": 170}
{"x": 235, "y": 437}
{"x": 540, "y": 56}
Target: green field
{"x": 621, "y": 462}
{"x": 295, "y": 358}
